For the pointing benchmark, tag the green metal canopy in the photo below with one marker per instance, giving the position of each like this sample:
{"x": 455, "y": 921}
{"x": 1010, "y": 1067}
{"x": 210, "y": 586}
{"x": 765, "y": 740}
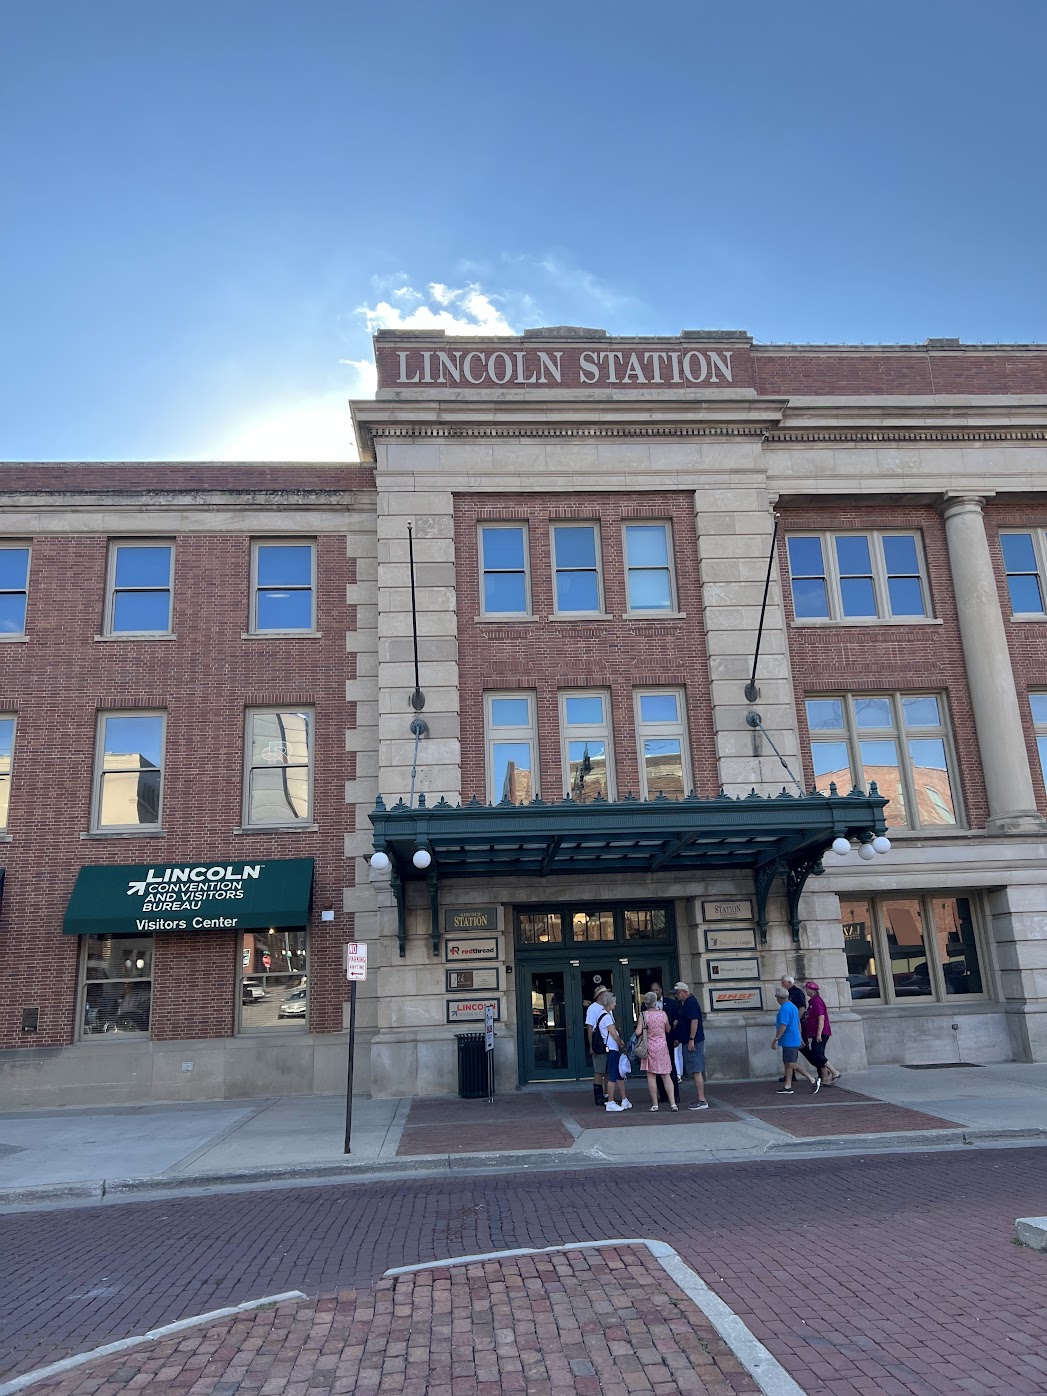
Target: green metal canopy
{"x": 137, "y": 899}
{"x": 778, "y": 835}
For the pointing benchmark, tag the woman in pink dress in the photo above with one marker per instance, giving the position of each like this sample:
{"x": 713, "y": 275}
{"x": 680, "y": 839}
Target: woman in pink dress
{"x": 657, "y": 1062}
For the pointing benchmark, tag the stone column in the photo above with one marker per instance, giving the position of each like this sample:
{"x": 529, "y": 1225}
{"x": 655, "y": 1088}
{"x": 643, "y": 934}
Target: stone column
{"x": 997, "y": 719}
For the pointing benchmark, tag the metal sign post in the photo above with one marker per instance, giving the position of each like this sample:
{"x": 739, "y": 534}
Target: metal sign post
{"x": 355, "y": 971}
{"x": 489, "y": 1050}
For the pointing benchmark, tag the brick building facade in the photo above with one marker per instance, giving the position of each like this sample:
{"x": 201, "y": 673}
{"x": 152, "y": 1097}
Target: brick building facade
{"x": 594, "y": 520}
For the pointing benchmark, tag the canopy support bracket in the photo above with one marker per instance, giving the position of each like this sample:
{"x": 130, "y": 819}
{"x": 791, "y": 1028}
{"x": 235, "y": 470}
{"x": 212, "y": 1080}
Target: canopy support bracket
{"x": 401, "y": 910}
{"x": 433, "y": 884}
{"x": 795, "y": 879}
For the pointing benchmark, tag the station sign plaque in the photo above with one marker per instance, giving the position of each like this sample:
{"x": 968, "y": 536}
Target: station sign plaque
{"x": 734, "y": 967}
{"x": 465, "y": 920}
{"x": 728, "y": 909}
{"x": 738, "y": 938}
{"x": 735, "y": 998}
{"x": 459, "y": 979}
{"x": 473, "y": 1010}
{"x": 470, "y": 950}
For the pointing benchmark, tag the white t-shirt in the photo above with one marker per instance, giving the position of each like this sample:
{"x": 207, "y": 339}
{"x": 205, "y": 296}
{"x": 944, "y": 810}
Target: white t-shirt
{"x": 593, "y": 1013}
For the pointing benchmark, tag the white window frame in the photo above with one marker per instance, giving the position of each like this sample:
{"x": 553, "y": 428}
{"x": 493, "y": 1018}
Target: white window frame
{"x": 881, "y": 950}
{"x": 493, "y": 735}
{"x": 554, "y": 524}
{"x": 899, "y": 733}
{"x": 283, "y": 542}
{"x": 503, "y": 524}
{"x": 102, "y": 718}
{"x": 654, "y": 731}
{"x": 673, "y": 607}
{"x": 262, "y": 710}
{"x": 14, "y": 545}
{"x": 1039, "y": 546}
{"x": 600, "y": 732}
{"x": 1039, "y": 727}
{"x": 111, "y": 590}
{"x": 8, "y": 775}
{"x": 880, "y": 575}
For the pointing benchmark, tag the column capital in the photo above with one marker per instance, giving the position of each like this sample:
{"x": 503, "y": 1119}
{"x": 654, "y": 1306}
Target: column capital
{"x": 962, "y": 502}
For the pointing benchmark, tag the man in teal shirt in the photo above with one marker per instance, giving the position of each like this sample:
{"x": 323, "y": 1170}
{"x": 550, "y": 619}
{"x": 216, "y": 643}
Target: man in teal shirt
{"x": 789, "y": 1038}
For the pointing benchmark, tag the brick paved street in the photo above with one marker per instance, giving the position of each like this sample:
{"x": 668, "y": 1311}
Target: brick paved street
{"x": 583, "y": 1322}
{"x": 862, "y": 1275}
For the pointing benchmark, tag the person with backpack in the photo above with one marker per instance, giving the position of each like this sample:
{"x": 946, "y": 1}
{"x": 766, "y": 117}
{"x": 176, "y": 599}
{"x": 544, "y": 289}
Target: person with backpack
{"x": 593, "y": 1014}
{"x": 607, "y": 1037}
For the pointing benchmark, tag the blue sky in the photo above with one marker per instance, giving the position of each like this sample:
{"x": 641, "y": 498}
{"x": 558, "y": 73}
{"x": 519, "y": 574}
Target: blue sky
{"x": 209, "y": 202}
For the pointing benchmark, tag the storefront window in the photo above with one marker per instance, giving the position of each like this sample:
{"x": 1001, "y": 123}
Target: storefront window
{"x": 645, "y": 925}
{"x": 930, "y": 944}
{"x": 274, "y": 986}
{"x": 117, "y": 982}
{"x": 592, "y": 925}
{"x": 540, "y": 928}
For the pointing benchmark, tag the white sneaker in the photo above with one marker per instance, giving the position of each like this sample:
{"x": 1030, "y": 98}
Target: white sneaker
{"x": 627, "y": 1105}
{"x": 612, "y": 1106}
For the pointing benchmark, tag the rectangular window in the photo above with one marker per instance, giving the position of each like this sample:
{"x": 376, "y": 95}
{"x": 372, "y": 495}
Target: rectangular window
{"x": 512, "y": 767}
{"x": 139, "y": 588}
{"x": 908, "y": 949}
{"x": 592, "y": 925}
{"x": 539, "y": 928}
{"x": 7, "y": 756}
{"x": 274, "y": 979}
{"x": 279, "y": 775}
{"x": 283, "y": 586}
{"x": 585, "y": 734}
{"x": 845, "y": 576}
{"x": 129, "y": 770}
{"x": 14, "y": 588}
{"x": 648, "y": 567}
{"x": 1023, "y": 560}
{"x": 1038, "y": 704}
{"x": 116, "y": 986}
{"x": 505, "y": 588}
{"x": 900, "y": 741}
{"x": 576, "y": 569}
{"x": 661, "y": 737}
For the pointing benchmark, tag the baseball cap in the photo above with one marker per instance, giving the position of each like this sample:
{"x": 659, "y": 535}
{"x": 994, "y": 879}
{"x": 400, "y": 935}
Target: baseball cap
{"x": 812, "y": 986}
{"x": 681, "y": 985}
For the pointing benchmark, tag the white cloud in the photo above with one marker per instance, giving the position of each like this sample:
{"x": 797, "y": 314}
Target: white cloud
{"x": 309, "y": 427}
{"x": 458, "y": 310}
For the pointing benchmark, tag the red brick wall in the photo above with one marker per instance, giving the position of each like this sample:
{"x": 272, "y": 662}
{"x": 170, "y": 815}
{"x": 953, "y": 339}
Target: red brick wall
{"x": 881, "y": 371}
{"x": 205, "y": 678}
{"x": 547, "y": 655}
{"x": 871, "y": 658}
{"x": 182, "y": 475}
{"x": 1027, "y": 639}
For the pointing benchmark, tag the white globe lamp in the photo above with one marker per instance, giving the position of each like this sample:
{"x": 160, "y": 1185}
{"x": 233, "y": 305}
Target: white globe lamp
{"x": 865, "y": 852}
{"x": 842, "y": 846}
{"x": 421, "y": 858}
{"x": 379, "y": 861}
{"x": 881, "y": 843}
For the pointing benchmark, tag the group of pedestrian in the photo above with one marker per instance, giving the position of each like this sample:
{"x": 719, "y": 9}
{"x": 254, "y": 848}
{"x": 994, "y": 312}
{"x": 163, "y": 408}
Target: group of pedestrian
{"x": 668, "y": 1040}
{"x": 802, "y": 1027}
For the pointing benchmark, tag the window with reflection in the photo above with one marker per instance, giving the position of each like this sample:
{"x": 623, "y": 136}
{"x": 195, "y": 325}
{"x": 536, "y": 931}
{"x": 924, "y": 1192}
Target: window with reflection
{"x": 576, "y": 569}
{"x": 511, "y": 739}
{"x": 901, "y": 949}
{"x": 857, "y": 576}
{"x": 1023, "y": 560}
{"x": 592, "y": 925}
{"x": 283, "y": 586}
{"x": 648, "y": 923}
{"x": 129, "y": 770}
{"x": 1038, "y": 708}
{"x": 139, "y": 601}
{"x": 648, "y": 567}
{"x": 279, "y": 767}
{"x": 274, "y": 979}
{"x": 585, "y": 731}
{"x": 14, "y": 588}
{"x": 505, "y": 588}
{"x": 539, "y": 928}
{"x": 662, "y": 743}
{"x": 898, "y": 740}
{"x": 116, "y": 986}
{"x": 7, "y": 754}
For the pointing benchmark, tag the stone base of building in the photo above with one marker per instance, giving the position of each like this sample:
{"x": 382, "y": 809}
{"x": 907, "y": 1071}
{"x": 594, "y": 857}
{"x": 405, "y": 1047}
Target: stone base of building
{"x": 133, "y": 1073}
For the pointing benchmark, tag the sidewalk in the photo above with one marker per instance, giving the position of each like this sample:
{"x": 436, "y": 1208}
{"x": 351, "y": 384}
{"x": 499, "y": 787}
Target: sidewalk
{"x": 49, "y": 1156}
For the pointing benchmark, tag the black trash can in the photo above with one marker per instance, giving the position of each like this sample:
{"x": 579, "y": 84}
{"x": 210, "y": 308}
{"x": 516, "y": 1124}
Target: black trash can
{"x": 472, "y": 1065}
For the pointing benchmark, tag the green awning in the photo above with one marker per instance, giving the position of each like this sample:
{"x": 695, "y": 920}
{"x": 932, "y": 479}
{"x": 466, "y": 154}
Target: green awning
{"x": 136, "y": 899}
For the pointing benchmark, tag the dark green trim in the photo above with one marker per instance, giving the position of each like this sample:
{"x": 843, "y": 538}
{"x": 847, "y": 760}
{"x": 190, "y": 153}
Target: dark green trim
{"x": 618, "y": 909}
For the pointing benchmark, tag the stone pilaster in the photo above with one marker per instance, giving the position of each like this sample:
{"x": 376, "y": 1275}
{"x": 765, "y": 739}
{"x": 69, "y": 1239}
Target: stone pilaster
{"x": 1019, "y": 926}
{"x": 994, "y": 699}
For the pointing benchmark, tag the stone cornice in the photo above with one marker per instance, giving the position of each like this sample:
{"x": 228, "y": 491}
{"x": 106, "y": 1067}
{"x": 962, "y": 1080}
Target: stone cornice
{"x": 881, "y": 435}
{"x": 625, "y": 431}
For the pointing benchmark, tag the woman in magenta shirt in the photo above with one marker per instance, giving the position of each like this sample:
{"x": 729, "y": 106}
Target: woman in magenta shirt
{"x": 816, "y": 1032}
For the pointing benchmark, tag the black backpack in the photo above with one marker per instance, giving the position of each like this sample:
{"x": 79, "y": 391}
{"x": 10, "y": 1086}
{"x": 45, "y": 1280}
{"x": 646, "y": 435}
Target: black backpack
{"x": 599, "y": 1041}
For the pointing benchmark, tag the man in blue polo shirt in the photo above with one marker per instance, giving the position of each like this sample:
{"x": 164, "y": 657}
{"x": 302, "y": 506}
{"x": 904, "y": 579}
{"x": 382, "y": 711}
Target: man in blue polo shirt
{"x": 789, "y": 1038}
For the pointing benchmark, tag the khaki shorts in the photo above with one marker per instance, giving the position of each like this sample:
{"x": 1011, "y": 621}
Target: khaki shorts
{"x": 599, "y": 1063}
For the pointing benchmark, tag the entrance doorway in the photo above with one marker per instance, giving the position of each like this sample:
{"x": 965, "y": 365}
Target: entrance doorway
{"x": 556, "y": 986}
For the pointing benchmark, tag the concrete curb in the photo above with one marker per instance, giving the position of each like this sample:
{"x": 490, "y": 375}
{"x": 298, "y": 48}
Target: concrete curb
{"x": 1032, "y": 1232}
{"x": 434, "y": 1165}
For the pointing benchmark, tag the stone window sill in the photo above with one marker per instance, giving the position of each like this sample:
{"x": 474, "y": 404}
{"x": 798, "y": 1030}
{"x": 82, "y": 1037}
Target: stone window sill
{"x": 585, "y": 617}
{"x": 281, "y": 634}
{"x": 654, "y": 615}
{"x": 941, "y": 1007}
{"x": 6, "y": 838}
{"x": 506, "y": 620}
{"x": 125, "y": 1039}
{"x": 1030, "y": 618}
{"x": 125, "y": 834}
{"x": 821, "y": 622}
{"x": 132, "y": 635}
{"x": 277, "y": 829}
{"x": 14, "y": 639}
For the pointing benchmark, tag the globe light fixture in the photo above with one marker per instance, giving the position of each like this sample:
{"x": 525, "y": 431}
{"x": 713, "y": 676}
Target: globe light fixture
{"x": 881, "y": 843}
{"x": 379, "y": 861}
{"x": 421, "y": 858}
{"x": 842, "y": 846}
{"x": 865, "y": 851}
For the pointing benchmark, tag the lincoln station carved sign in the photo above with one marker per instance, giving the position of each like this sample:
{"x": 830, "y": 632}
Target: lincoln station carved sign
{"x": 584, "y": 365}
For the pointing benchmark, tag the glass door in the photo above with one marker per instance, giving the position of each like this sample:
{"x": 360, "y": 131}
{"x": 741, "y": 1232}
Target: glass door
{"x": 546, "y": 1032}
